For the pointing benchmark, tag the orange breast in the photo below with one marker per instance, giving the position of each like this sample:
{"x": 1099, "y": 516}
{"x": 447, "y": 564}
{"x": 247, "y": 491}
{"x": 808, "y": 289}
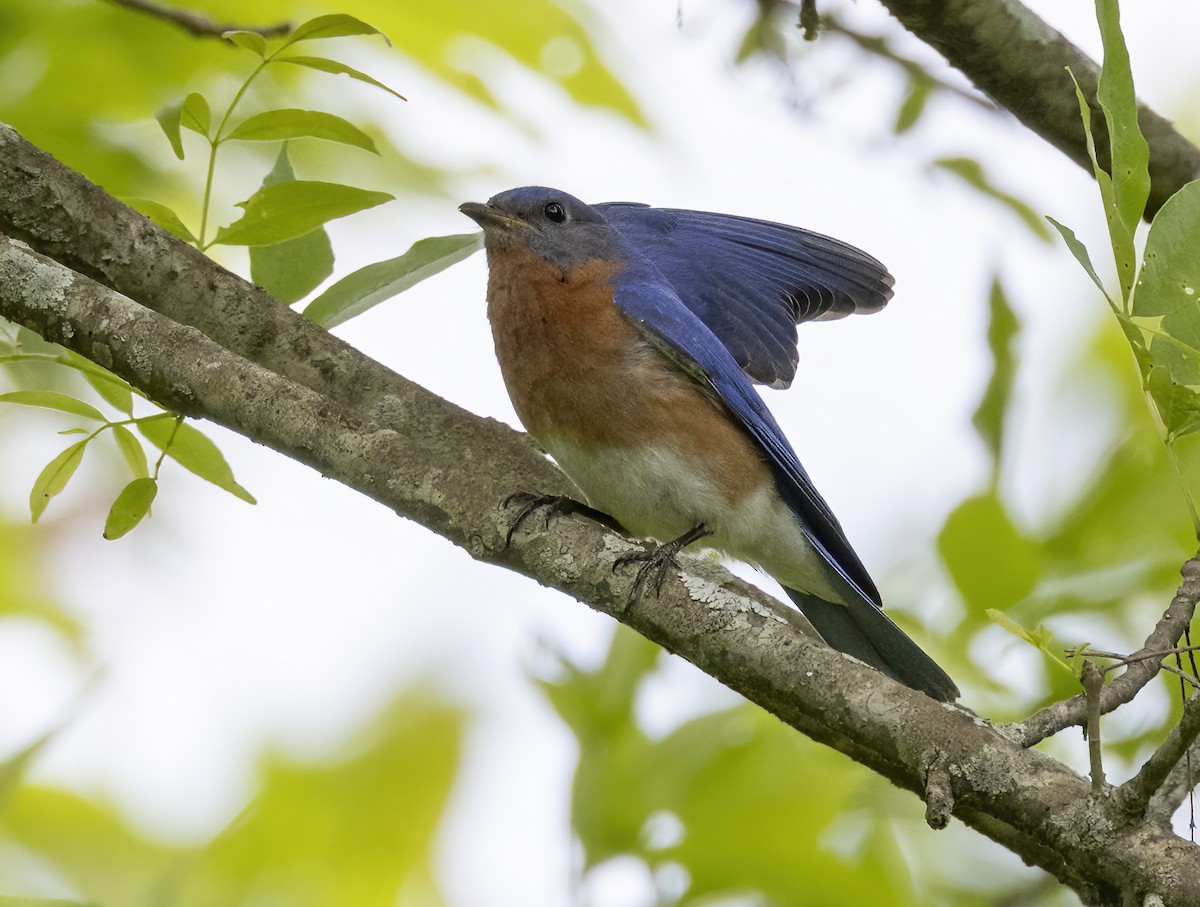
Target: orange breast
{"x": 578, "y": 371}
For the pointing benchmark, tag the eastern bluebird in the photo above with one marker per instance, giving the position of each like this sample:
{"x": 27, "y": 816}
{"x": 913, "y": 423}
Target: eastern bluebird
{"x": 629, "y": 338}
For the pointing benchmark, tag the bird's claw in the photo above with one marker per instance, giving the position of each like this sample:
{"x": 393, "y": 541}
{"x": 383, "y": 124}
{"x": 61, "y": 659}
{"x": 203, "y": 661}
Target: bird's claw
{"x": 655, "y": 565}
{"x": 657, "y": 562}
{"x": 530, "y": 504}
{"x": 552, "y": 503}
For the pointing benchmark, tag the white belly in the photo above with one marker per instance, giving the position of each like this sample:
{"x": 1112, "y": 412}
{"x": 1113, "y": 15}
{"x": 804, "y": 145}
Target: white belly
{"x": 653, "y": 493}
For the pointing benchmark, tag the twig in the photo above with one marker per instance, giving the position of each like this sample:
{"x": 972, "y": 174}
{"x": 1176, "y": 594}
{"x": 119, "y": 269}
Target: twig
{"x": 197, "y": 24}
{"x": 1093, "y": 684}
{"x": 1141, "y": 670}
{"x": 880, "y": 47}
{"x": 1178, "y": 785}
{"x": 1134, "y": 795}
{"x": 1121, "y": 661}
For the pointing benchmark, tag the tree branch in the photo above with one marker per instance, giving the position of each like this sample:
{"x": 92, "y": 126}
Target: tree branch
{"x": 196, "y": 24}
{"x": 1144, "y": 666}
{"x": 437, "y": 465}
{"x": 1019, "y": 61}
{"x": 1135, "y": 794}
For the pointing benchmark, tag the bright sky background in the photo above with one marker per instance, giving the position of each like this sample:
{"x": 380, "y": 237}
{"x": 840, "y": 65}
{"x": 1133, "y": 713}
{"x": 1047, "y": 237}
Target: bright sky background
{"x": 223, "y": 627}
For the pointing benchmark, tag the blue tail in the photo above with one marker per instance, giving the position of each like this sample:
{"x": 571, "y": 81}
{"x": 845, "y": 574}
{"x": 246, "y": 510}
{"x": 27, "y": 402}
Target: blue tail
{"x": 864, "y": 631}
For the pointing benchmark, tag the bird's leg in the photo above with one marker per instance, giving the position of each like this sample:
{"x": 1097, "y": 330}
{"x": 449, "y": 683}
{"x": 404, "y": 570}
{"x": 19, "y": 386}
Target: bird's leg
{"x": 552, "y": 504}
{"x": 658, "y": 561}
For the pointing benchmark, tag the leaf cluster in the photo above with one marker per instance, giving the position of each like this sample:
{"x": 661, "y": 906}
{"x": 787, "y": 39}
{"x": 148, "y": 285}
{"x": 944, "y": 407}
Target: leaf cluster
{"x": 183, "y": 443}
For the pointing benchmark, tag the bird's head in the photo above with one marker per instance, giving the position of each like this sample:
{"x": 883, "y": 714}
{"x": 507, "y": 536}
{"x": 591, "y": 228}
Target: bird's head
{"x": 554, "y": 225}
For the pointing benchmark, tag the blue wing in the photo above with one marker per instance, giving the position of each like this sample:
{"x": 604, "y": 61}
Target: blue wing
{"x": 656, "y": 307}
{"x": 751, "y": 281}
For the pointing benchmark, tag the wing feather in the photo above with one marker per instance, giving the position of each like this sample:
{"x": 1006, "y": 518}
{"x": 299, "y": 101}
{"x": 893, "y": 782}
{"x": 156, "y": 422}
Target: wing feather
{"x": 752, "y": 281}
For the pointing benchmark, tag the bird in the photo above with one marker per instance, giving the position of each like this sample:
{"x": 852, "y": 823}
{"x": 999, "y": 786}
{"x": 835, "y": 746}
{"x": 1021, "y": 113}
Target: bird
{"x": 630, "y": 338}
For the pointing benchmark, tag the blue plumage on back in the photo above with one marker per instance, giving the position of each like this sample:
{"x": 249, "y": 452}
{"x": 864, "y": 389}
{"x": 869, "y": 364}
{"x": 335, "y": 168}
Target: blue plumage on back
{"x": 751, "y": 281}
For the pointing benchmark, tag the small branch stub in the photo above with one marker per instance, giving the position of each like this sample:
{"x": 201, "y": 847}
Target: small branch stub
{"x": 939, "y": 795}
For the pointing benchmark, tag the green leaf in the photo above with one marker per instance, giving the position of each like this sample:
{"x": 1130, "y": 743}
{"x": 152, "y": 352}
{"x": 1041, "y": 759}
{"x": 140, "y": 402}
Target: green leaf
{"x": 1130, "y": 153}
{"x": 273, "y": 125}
{"x": 1079, "y": 250}
{"x": 971, "y": 172}
{"x": 115, "y": 391}
{"x": 131, "y": 505}
{"x": 288, "y": 210}
{"x": 194, "y": 451}
{"x": 989, "y": 417}
{"x": 1169, "y": 281}
{"x": 54, "y": 400}
{"x": 163, "y": 216}
{"x": 91, "y": 372}
{"x": 337, "y": 25}
{"x": 1003, "y": 620}
{"x": 291, "y": 270}
{"x": 919, "y": 90}
{"x": 1119, "y": 233}
{"x": 169, "y": 118}
{"x": 1040, "y": 638}
{"x": 1166, "y": 300}
{"x": 369, "y": 286}
{"x": 195, "y": 114}
{"x": 132, "y": 450}
{"x": 53, "y": 479}
{"x": 247, "y": 40}
{"x": 1012, "y": 564}
{"x": 336, "y": 68}
{"x": 1178, "y": 406}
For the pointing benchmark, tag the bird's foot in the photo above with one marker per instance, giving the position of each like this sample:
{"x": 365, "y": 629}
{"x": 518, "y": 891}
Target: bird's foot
{"x": 658, "y": 561}
{"x": 551, "y": 504}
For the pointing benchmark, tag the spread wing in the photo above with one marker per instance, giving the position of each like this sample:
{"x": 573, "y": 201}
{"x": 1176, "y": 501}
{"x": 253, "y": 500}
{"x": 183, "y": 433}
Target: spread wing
{"x": 656, "y": 308}
{"x": 752, "y": 281}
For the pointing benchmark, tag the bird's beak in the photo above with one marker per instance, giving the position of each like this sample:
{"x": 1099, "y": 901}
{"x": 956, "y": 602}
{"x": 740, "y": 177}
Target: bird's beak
{"x": 489, "y": 216}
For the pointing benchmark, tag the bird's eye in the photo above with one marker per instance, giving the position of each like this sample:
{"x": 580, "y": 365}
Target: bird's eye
{"x": 555, "y": 212}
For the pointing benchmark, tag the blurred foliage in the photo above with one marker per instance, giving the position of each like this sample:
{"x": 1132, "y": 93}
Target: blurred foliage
{"x": 134, "y": 65}
{"x": 356, "y": 829}
{"x": 733, "y": 807}
{"x": 22, "y": 572}
{"x": 729, "y": 798}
